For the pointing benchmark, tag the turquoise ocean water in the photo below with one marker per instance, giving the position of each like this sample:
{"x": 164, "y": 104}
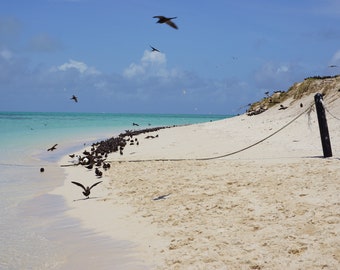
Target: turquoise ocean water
{"x": 35, "y": 233}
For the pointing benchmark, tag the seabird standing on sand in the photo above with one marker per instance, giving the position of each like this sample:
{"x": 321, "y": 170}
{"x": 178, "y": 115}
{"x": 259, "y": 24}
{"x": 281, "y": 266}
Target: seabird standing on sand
{"x": 282, "y": 107}
{"x": 87, "y": 190}
{"x": 162, "y": 19}
{"x": 98, "y": 172}
{"x": 90, "y": 166}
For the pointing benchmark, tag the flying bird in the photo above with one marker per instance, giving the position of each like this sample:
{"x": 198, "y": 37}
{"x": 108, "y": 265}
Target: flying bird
{"x": 162, "y": 19}
{"x": 54, "y": 147}
{"x": 74, "y": 98}
{"x": 87, "y": 190}
{"x": 333, "y": 66}
{"x": 154, "y": 49}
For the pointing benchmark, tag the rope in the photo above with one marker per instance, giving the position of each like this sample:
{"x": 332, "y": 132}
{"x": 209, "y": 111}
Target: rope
{"x": 231, "y": 153}
{"x": 27, "y": 166}
{"x": 16, "y": 165}
{"x": 260, "y": 141}
{"x": 331, "y": 113}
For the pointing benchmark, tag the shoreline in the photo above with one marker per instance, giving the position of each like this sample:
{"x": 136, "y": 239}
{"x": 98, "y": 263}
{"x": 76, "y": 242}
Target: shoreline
{"x": 82, "y": 239}
{"x": 273, "y": 205}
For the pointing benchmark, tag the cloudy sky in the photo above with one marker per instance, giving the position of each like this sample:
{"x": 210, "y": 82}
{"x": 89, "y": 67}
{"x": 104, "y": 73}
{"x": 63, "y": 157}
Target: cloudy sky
{"x": 224, "y": 55}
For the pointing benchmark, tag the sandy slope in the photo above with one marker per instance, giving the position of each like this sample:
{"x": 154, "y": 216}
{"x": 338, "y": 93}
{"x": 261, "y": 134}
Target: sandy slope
{"x": 272, "y": 206}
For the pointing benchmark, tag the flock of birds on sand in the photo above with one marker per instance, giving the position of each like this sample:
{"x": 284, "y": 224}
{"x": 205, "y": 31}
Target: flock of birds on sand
{"x": 97, "y": 156}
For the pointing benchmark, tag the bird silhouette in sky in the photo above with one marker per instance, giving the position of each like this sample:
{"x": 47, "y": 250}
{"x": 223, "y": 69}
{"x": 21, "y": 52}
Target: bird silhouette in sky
{"x": 74, "y": 98}
{"x": 87, "y": 190}
{"x": 333, "y": 66}
{"x": 162, "y": 19}
{"x": 153, "y": 49}
{"x": 54, "y": 147}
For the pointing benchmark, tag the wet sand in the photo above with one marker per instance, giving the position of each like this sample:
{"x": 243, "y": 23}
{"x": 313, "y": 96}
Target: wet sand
{"x": 272, "y": 206}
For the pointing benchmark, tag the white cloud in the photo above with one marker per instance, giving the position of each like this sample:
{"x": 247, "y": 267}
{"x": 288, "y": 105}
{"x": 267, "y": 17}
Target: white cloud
{"x": 10, "y": 29}
{"x": 282, "y": 69}
{"x": 336, "y": 58}
{"x": 270, "y": 71}
{"x": 134, "y": 70}
{"x": 156, "y": 58}
{"x": 79, "y": 66}
{"x": 152, "y": 64}
{"x": 44, "y": 43}
{"x": 276, "y": 76}
{"x": 328, "y": 7}
{"x": 6, "y": 54}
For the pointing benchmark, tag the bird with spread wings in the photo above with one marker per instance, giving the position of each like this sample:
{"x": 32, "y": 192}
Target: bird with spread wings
{"x": 168, "y": 21}
{"x": 87, "y": 190}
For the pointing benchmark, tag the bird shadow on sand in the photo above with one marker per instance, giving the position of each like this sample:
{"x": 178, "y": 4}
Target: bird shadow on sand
{"x": 85, "y": 199}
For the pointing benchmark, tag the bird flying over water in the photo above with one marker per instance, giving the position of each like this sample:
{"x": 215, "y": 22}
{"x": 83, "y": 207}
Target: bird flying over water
{"x": 333, "y": 66}
{"x": 54, "y": 147}
{"x": 162, "y": 19}
{"x": 87, "y": 190}
{"x": 74, "y": 98}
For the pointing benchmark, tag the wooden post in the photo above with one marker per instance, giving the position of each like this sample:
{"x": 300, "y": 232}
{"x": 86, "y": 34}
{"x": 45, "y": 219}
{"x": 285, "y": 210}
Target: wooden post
{"x": 325, "y": 140}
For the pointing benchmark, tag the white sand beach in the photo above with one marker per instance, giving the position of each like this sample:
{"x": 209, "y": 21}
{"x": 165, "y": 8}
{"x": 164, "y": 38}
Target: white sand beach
{"x": 274, "y": 205}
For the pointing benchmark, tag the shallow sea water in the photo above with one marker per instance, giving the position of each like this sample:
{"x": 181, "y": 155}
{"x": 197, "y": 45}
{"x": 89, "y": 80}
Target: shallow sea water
{"x": 35, "y": 232}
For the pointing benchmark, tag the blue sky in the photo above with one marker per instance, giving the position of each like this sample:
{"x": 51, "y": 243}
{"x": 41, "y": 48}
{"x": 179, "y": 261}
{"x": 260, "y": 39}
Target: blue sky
{"x": 224, "y": 55}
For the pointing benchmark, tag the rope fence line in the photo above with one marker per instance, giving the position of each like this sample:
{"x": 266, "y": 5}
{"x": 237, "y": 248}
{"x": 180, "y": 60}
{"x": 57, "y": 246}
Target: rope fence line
{"x": 327, "y": 110}
{"x": 331, "y": 114}
{"x": 308, "y": 110}
{"x": 231, "y": 153}
{"x": 27, "y": 166}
